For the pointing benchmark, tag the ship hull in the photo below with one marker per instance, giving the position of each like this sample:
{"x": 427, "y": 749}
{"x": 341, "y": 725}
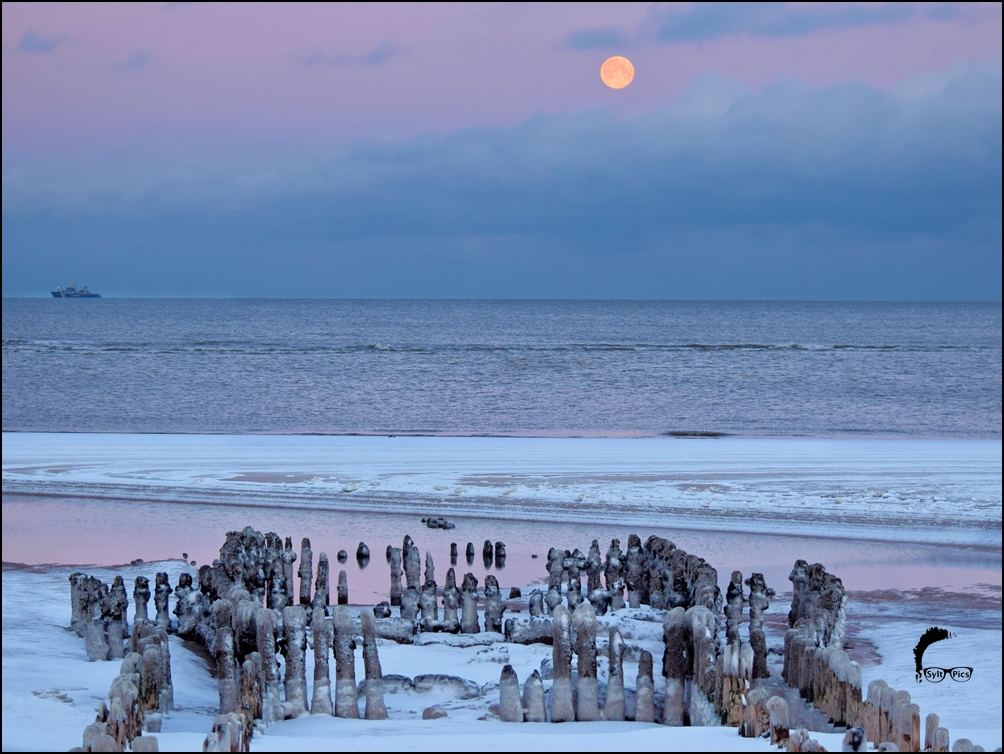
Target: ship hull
{"x": 61, "y": 294}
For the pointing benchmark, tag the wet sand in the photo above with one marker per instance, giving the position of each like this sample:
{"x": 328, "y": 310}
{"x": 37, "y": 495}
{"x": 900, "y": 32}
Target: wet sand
{"x": 39, "y": 530}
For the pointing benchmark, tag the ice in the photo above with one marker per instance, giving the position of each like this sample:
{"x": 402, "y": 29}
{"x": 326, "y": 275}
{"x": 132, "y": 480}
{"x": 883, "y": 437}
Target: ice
{"x": 945, "y": 490}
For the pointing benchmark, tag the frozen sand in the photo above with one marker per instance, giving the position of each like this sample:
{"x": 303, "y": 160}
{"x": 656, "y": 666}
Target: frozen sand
{"x": 43, "y": 659}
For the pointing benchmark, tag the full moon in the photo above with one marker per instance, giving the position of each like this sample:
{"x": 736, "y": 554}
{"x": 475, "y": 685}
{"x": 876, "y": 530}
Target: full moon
{"x": 617, "y": 72}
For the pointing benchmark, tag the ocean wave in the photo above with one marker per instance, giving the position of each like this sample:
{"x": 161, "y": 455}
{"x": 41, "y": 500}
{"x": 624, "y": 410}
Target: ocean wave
{"x": 13, "y": 346}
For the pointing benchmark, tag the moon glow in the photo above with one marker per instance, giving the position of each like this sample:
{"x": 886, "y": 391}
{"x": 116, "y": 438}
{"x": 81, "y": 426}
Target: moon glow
{"x": 617, "y": 72}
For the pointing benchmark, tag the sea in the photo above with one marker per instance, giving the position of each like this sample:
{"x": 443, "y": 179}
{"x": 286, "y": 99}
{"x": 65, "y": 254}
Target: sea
{"x": 482, "y": 367}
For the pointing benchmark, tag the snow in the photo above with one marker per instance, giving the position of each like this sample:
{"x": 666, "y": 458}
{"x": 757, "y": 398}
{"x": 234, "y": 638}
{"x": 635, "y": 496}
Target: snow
{"x": 949, "y": 491}
{"x": 43, "y": 659}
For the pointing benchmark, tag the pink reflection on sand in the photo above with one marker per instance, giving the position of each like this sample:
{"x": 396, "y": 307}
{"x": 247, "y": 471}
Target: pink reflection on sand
{"x": 88, "y": 531}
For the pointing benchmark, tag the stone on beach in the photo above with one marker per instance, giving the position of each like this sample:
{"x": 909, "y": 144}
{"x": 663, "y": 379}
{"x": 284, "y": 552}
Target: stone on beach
{"x": 362, "y": 552}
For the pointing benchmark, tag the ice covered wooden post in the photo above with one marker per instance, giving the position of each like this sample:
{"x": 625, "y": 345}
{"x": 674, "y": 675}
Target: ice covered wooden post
{"x": 294, "y": 624}
{"x": 594, "y": 567}
{"x": 533, "y": 699}
{"x": 587, "y": 687}
{"x": 429, "y": 605}
{"x": 375, "y": 709}
{"x": 510, "y": 704}
{"x": 91, "y": 596}
{"x": 191, "y": 607}
{"x": 322, "y": 592}
{"x": 320, "y": 703}
{"x": 733, "y": 607}
{"x": 306, "y": 571}
{"x": 777, "y": 707}
{"x": 249, "y": 700}
{"x": 343, "y": 588}
{"x": 469, "y": 615}
{"x": 430, "y": 568}
{"x": 266, "y": 622}
{"x": 493, "y": 605}
{"x": 451, "y": 603}
{"x": 614, "y": 709}
{"x": 412, "y": 564}
{"x": 758, "y": 602}
{"x": 573, "y": 570}
{"x": 613, "y": 573}
{"x": 226, "y": 661}
{"x": 635, "y": 570}
{"x": 346, "y": 699}
{"x": 562, "y": 709}
{"x": 500, "y": 554}
{"x": 76, "y": 608}
{"x": 674, "y": 664}
{"x": 555, "y": 571}
{"x": 394, "y": 557}
{"x": 488, "y": 553}
{"x": 161, "y": 599}
{"x": 409, "y": 604}
{"x": 288, "y": 558}
{"x": 116, "y": 604}
{"x": 645, "y": 694}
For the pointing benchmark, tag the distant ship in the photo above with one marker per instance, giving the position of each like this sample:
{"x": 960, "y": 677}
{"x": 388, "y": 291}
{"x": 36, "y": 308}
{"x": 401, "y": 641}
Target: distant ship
{"x": 71, "y": 291}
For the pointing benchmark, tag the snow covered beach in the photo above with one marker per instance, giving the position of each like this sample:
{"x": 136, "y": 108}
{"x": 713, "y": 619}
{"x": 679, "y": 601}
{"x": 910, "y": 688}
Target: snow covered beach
{"x": 784, "y": 495}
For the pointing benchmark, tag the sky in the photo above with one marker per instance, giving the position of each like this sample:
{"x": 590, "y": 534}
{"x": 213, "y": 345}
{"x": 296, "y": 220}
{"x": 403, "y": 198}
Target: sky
{"x": 763, "y": 150}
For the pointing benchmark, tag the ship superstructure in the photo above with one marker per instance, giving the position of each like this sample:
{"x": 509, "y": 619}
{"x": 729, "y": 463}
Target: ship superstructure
{"x": 71, "y": 291}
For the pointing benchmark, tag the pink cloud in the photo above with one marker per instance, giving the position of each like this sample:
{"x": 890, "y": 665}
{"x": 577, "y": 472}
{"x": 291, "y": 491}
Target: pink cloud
{"x": 323, "y": 76}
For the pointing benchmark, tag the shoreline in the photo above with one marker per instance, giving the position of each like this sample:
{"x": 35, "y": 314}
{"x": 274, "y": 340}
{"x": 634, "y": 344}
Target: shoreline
{"x": 631, "y": 434}
{"x": 946, "y": 492}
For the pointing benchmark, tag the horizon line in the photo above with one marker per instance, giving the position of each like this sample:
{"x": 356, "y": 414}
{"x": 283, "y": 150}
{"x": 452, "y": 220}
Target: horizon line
{"x": 523, "y": 299}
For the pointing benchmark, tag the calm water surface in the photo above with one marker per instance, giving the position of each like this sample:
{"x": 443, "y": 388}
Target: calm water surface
{"x": 502, "y": 367}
